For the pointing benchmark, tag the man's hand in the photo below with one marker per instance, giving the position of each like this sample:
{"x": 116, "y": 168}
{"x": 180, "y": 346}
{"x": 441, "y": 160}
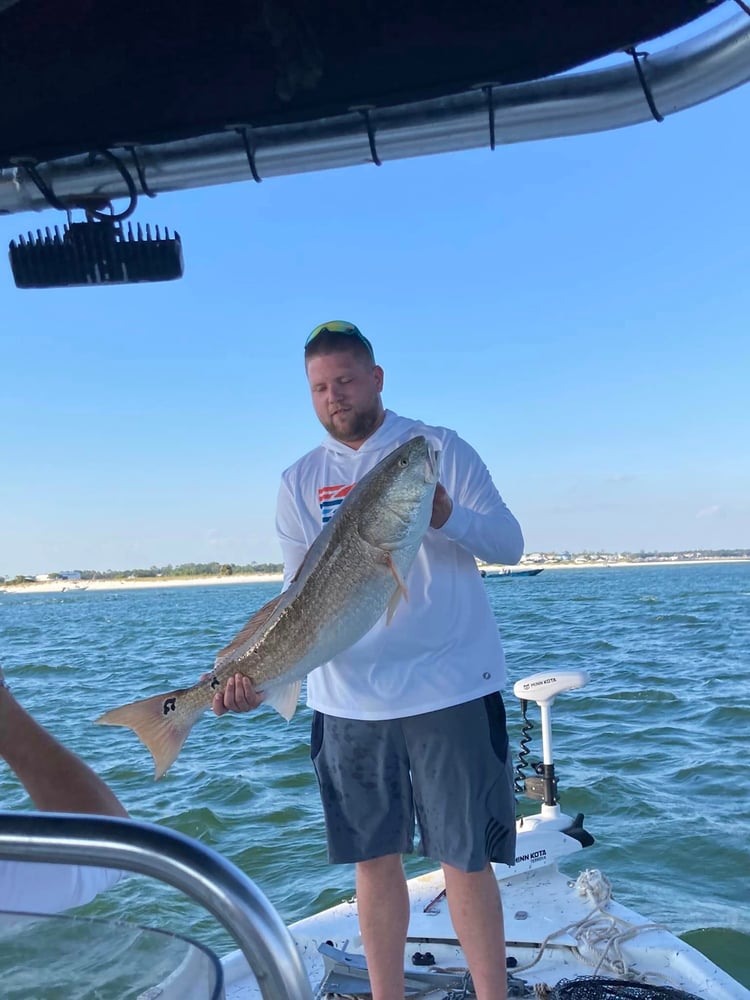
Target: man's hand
{"x": 239, "y": 695}
{"x": 442, "y": 506}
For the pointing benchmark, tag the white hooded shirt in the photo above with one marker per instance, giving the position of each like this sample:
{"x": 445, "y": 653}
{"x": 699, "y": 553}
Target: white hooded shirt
{"x": 442, "y": 646}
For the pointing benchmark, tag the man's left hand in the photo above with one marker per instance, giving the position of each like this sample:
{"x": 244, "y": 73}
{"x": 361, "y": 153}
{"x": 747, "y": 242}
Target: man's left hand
{"x": 442, "y": 506}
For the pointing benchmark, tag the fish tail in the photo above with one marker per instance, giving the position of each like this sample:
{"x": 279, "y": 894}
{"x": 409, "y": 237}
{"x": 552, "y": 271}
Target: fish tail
{"x": 162, "y": 723}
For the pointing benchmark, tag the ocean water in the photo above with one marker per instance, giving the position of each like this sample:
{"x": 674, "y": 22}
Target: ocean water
{"x": 654, "y": 751}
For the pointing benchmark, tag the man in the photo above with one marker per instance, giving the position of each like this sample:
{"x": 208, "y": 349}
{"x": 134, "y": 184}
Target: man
{"x": 409, "y": 719}
{"x": 57, "y": 781}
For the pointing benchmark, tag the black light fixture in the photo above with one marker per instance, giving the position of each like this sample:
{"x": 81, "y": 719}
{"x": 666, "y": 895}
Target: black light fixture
{"x": 98, "y": 251}
{"x": 95, "y": 253}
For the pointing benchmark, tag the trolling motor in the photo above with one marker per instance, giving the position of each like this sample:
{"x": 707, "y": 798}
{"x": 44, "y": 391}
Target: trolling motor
{"x": 98, "y": 251}
{"x": 543, "y": 688}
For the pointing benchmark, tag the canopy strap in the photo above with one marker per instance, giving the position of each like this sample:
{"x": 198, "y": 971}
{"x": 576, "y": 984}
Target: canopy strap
{"x": 365, "y": 112}
{"x": 489, "y": 93}
{"x": 141, "y": 172}
{"x": 250, "y": 149}
{"x": 637, "y": 56}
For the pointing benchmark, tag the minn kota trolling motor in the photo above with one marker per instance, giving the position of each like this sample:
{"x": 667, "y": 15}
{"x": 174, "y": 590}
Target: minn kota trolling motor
{"x": 543, "y": 688}
{"x": 98, "y": 251}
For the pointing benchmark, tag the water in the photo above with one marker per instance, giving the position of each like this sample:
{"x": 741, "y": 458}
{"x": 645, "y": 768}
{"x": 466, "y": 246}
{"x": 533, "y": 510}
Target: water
{"x": 653, "y": 751}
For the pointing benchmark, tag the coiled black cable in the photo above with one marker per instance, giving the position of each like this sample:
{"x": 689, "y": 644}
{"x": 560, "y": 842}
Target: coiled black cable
{"x": 519, "y": 783}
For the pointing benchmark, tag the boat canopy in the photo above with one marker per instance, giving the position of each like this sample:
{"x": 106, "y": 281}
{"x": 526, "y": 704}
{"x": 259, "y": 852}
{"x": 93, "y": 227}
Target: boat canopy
{"x": 102, "y": 101}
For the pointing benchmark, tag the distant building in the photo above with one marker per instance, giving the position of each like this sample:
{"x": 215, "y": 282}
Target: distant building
{"x": 70, "y": 574}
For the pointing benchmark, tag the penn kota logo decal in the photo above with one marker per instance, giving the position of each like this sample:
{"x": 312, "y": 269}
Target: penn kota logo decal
{"x": 329, "y": 498}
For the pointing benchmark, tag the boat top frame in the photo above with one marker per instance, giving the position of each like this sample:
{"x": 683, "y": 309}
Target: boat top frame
{"x": 198, "y": 871}
{"x": 658, "y": 85}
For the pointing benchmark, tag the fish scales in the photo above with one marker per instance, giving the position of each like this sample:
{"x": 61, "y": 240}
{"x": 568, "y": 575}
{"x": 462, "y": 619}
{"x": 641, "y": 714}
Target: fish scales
{"x": 306, "y": 630}
{"x": 346, "y": 577}
{"x": 354, "y": 570}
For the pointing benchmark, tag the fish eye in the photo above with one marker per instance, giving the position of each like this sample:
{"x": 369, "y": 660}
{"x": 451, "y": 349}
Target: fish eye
{"x": 403, "y": 461}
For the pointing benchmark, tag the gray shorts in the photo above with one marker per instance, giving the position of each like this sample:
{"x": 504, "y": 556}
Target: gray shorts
{"x": 450, "y": 770}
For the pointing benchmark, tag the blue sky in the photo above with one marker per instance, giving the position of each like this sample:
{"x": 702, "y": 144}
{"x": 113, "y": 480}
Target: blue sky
{"x": 577, "y": 309}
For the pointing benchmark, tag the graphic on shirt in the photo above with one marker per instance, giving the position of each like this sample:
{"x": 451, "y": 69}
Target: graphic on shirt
{"x": 329, "y": 498}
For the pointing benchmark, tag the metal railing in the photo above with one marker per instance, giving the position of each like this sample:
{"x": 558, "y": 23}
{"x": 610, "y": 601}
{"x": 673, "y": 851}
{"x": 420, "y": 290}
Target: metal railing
{"x": 676, "y": 78}
{"x": 198, "y": 871}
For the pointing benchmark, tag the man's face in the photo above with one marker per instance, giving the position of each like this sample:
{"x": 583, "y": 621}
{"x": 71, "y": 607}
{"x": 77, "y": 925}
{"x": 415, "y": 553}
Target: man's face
{"x": 346, "y": 396}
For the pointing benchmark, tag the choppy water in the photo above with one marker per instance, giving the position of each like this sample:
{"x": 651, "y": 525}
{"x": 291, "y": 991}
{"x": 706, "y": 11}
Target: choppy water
{"x": 654, "y": 751}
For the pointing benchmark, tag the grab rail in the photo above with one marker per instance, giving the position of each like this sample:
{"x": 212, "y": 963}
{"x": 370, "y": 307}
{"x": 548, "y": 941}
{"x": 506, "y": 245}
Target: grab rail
{"x": 567, "y": 104}
{"x": 198, "y": 871}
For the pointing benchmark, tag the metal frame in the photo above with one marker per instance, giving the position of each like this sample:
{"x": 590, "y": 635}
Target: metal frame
{"x": 198, "y": 871}
{"x": 677, "y": 78}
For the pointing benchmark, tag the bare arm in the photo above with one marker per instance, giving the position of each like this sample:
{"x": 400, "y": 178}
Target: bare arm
{"x": 56, "y": 779}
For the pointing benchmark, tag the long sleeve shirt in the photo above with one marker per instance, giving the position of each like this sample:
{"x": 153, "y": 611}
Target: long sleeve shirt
{"x": 36, "y": 887}
{"x": 442, "y": 646}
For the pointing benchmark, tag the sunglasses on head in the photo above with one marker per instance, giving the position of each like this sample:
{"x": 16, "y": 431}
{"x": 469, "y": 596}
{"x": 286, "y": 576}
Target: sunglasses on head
{"x": 339, "y": 326}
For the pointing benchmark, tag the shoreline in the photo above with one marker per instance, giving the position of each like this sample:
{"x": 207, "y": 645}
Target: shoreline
{"x": 615, "y": 564}
{"x": 152, "y": 583}
{"x": 142, "y": 583}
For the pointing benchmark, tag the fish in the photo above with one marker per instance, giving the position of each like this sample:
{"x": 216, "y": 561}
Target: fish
{"x": 353, "y": 574}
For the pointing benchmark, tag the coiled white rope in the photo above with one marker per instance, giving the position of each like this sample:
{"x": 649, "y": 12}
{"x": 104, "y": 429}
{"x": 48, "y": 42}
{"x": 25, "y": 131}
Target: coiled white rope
{"x": 599, "y": 933}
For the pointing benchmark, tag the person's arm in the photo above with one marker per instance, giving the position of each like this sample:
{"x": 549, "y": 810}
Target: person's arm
{"x": 290, "y": 533}
{"x": 56, "y": 779}
{"x": 475, "y": 516}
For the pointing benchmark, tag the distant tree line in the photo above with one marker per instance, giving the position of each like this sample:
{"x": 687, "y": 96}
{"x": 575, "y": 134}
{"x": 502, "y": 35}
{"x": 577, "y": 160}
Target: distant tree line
{"x": 648, "y": 555}
{"x": 232, "y": 569}
{"x": 184, "y": 569}
{"x": 687, "y": 553}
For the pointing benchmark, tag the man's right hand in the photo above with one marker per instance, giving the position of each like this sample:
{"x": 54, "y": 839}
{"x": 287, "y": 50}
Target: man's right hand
{"x": 239, "y": 695}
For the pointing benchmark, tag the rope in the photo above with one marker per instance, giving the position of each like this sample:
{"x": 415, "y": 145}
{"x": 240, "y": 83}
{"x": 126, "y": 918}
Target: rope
{"x": 598, "y": 932}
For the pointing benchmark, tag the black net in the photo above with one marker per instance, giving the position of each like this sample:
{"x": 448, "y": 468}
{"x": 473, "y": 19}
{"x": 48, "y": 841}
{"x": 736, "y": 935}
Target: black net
{"x": 595, "y": 988}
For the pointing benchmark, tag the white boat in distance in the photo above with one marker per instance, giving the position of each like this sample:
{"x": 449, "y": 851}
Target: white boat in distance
{"x": 566, "y": 938}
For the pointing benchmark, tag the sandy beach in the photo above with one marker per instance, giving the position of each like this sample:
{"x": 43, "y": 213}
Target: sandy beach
{"x": 153, "y": 583}
{"x": 139, "y": 583}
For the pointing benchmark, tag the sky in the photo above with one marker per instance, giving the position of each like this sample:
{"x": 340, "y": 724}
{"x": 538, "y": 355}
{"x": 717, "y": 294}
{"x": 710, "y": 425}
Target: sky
{"x": 577, "y": 309}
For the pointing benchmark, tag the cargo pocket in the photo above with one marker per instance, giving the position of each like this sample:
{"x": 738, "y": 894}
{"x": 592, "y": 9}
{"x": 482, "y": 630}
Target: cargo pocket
{"x": 496, "y": 720}
{"x": 316, "y": 734}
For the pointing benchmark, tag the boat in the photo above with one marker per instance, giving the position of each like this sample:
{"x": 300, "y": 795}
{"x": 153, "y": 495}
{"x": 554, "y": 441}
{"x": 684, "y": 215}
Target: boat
{"x": 505, "y": 572}
{"x": 567, "y": 938}
{"x": 189, "y": 94}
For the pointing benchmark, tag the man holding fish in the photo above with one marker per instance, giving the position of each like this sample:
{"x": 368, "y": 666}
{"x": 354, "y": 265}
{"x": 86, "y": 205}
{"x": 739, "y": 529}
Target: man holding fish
{"x": 408, "y": 720}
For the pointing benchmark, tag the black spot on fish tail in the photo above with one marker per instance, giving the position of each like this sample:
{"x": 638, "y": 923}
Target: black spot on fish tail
{"x": 170, "y": 705}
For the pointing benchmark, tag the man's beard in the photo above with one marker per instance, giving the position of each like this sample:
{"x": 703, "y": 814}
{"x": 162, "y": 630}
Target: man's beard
{"x": 361, "y": 427}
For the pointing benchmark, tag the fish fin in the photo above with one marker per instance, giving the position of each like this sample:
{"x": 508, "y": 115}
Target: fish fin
{"x": 284, "y": 698}
{"x": 257, "y": 622}
{"x": 301, "y": 566}
{"x": 399, "y": 592}
{"x": 161, "y": 723}
{"x": 392, "y": 605}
